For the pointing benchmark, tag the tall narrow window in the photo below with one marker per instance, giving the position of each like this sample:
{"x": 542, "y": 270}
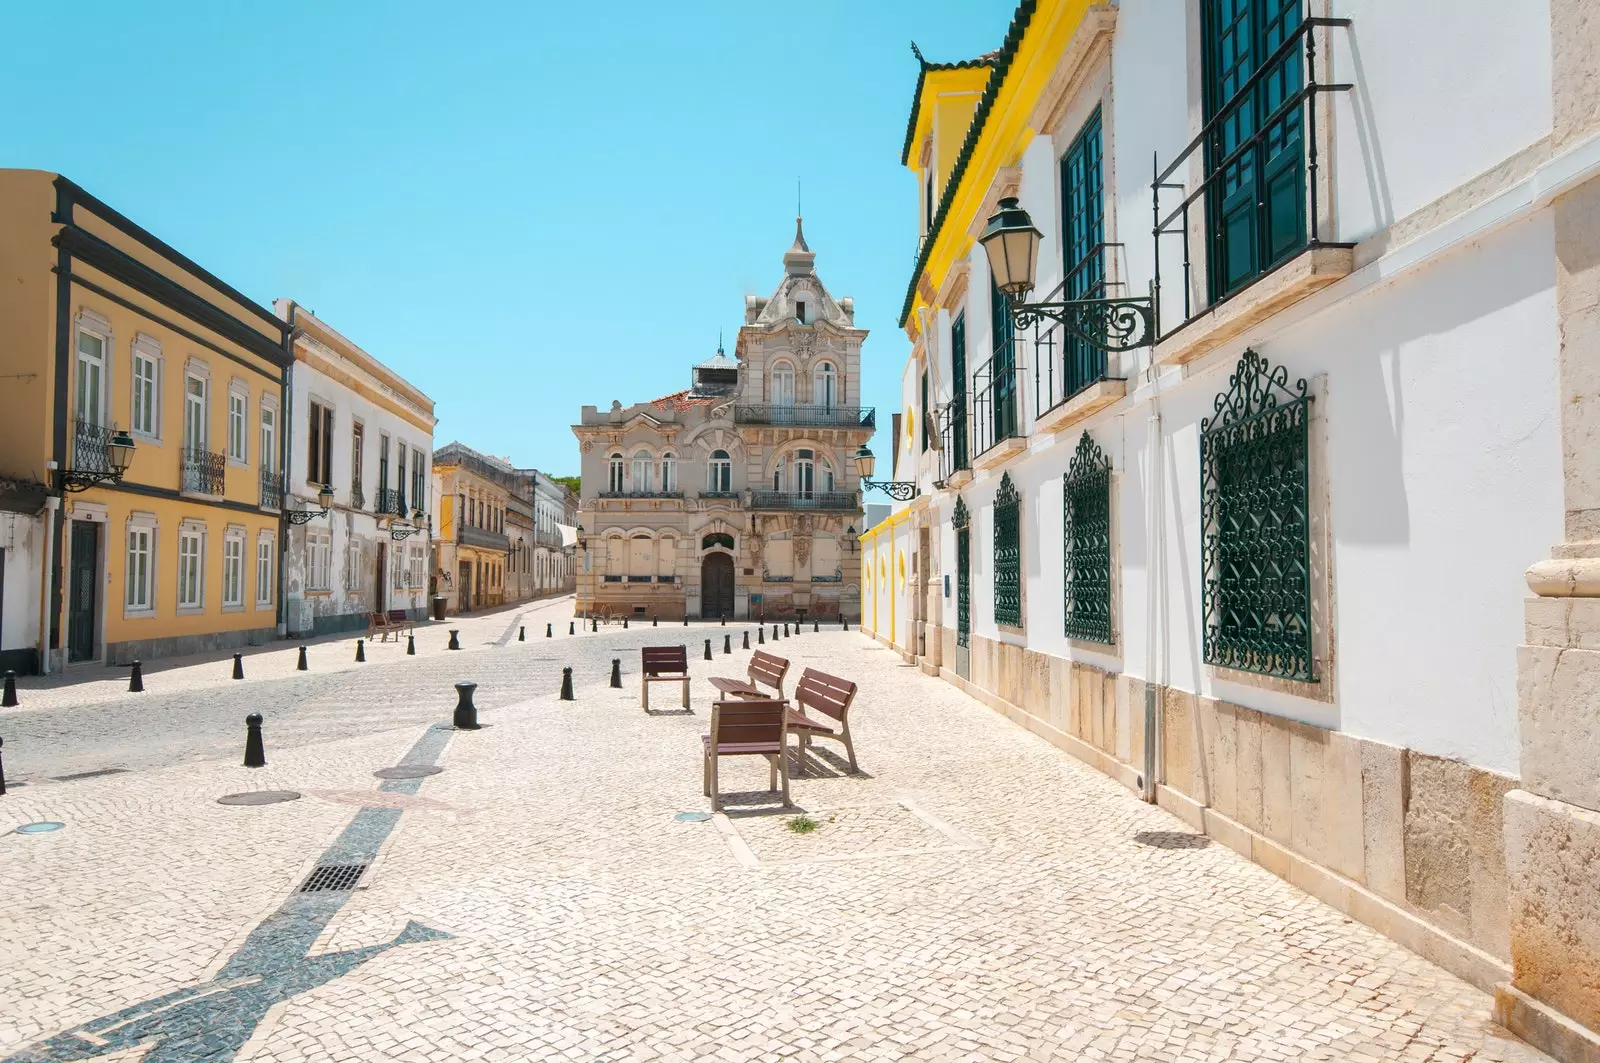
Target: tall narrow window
{"x": 827, "y": 386}
{"x": 191, "y": 565}
{"x": 320, "y": 469}
{"x": 141, "y": 567}
{"x": 238, "y": 423}
{"x": 383, "y": 464}
{"x": 1083, "y": 247}
{"x": 194, "y": 413}
{"x": 1086, "y": 535}
{"x": 419, "y": 489}
{"x": 232, "y": 570}
{"x": 1007, "y": 554}
{"x": 669, "y": 473}
{"x": 927, "y": 201}
{"x": 922, "y": 411}
{"x": 146, "y": 392}
{"x": 958, "y": 398}
{"x": 804, "y": 473}
{"x": 641, "y": 471}
{"x": 91, "y": 377}
{"x": 269, "y": 438}
{"x": 358, "y": 446}
{"x": 614, "y": 474}
{"x": 264, "y": 567}
{"x": 720, "y": 476}
{"x": 783, "y": 384}
{"x": 400, "y": 478}
{"x": 1003, "y": 380}
{"x": 800, "y": 311}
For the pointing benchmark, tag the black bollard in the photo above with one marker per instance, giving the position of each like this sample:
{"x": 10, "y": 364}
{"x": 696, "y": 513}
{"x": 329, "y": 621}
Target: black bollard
{"x": 549, "y": 631}
{"x": 727, "y": 644}
{"x": 846, "y": 624}
{"x": 616, "y": 672}
{"x": 746, "y": 645}
{"x": 300, "y": 665}
{"x": 2, "y": 772}
{"x": 655, "y": 621}
{"x": 566, "y": 683}
{"x": 238, "y": 666}
{"x": 774, "y": 632}
{"x": 361, "y": 651}
{"x": 522, "y": 633}
{"x": 411, "y": 645}
{"x": 815, "y": 627}
{"x": 761, "y": 635}
{"x": 624, "y": 623}
{"x": 685, "y": 619}
{"x": 724, "y": 619}
{"x": 9, "y": 701}
{"x": 136, "y": 680}
{"x": 708, "y": 649}
{"x": 255, "y": 753}
{"x": 786, "y": 629}
{"x": 572, "y": 627}
{"x": 466, "y": 718}
{"x": 594, "y": 624}
{"x": 454, "y": 642}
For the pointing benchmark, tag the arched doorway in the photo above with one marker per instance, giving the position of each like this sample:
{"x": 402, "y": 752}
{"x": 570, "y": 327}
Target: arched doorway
{"x": 716, "y": 586}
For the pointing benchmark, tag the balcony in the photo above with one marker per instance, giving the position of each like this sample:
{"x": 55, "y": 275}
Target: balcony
{"x": 1070, "y": 380}
{"x": 391, "y": 502}
{"x": 829, "y": 500}
{"x": 203, "y": 471}
{"x": 863, "y": 417}
{"x": 485, "y": 538}
{"x": 641, "y": 494}
{"x": 358, "y": 498}
{"x": 955, "y": 442}
{"x": 89, "y": 452}
{"x": 997, "y": 413}
{"x": 272, "y": 488}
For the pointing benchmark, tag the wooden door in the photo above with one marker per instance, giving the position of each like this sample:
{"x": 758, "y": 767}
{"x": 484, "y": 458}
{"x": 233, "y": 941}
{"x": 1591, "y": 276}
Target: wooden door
{"x": 84, "y": 570}
{"x": 716, "y": 586}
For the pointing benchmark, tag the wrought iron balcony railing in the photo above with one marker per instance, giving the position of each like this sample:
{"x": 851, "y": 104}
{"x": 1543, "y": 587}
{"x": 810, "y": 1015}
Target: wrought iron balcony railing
{"x": 997, "y": 413}
{"x": 845, "y": 500}
{"x": 89, "y": 452}
{"x": 391, "y": 501}
{"x": 720, "y": 494}
{"x": 955, "y": 441}
{"x": 271, "y": 489}
{"x": 808, "y": 416}
{"x": 203, "y": 470}
{"x": 358, "y": 498}
{"x": 1063, "y": 363}
{"x": 641, "y": 494}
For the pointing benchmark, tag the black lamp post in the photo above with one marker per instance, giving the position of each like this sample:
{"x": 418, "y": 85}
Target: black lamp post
{"x": 119, "y": 455}
{"x": 899, "y": 490}
{"x": 1011, "y": 243}
{"x": 306, "y": 516}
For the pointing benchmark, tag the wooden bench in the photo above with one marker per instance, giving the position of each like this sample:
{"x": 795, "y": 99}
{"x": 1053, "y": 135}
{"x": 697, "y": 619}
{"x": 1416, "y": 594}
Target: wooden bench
{"x": 377, "y": 622}
{"x": 765, "y": 669}
{"x": 747, "y": 727}
{"x": 664, "y": 664}
{"x": 395, "y": 621}
{"x": 829, "y": 697}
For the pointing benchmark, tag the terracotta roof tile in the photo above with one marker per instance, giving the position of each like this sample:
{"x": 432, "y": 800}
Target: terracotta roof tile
{"x": 682, "y": 401}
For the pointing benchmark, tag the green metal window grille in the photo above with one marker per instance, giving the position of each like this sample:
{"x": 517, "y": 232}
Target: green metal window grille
{"x": 958, "y": 403}
{"x": 1007, "y": 554}
{"x": 963, "y": 526}
{"x": 1083, "y": 234}
{"x": 1255, "y": 547}
{"x": 1086, "y": 529}
{"x": 1255, "y": 153}
{"x": 1003, "y": 380}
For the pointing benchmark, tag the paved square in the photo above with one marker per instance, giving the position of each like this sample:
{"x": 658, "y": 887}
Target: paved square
{"x": 974, "y": 895}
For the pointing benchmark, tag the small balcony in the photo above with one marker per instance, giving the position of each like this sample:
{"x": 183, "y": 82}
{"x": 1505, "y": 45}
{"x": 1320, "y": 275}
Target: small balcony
{"x": 89, "y": 453}
{"x": 997, "y": 414}
{"x": 846, "y": 501}
{"x": 391, "y": 502}
{"x": 203, "y": 471}
{"x": 847, "y": 417}
{"x": 641, "y": 494}
{"x": 271, "y": 490}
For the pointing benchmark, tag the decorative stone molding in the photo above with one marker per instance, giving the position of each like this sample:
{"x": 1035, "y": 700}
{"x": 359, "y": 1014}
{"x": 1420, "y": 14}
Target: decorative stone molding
{"x": 1007, "y": 182}
{"x": 1089, "y": 47}
{"x": 954, "y": 288}
{"x": 1565, "y": 577}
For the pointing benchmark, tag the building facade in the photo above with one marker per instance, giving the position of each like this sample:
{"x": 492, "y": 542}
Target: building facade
{"x": 473, "y": 548}
{"x": 1271, "y": 568}
{"x": 737, "y": 496}
{"x": 542, "y": 557}
{"x": 361, "y": 429}
{"x": 107, "y": 329}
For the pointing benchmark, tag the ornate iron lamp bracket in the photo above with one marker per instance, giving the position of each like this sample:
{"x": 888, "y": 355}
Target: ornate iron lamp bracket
{"x": 1109, "y": 324}
{"x": 305, "y": 516}
{"x": 899, "y": 490}
{"x": 403, "y": 532}
{"x": 74, "y": 481}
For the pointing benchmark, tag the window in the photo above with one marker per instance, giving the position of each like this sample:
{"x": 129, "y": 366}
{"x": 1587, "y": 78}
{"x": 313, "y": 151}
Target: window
{"x": 319, "y": 560}
{"x": 783, "y": 384}
{"x": 669, "y": 472}
{"x": 804, "y": 473}
{"x": 264, "y": 583}
{"x": 383, "y": 464}
{"x": 400, "y": 478}
{"x": 91, "y": 376}
{"x": 140, "y": 574}
{"x": 800, "y": 311}
{"x": 397, "y": 570}
{"x": 238, "y": 421}
{"x": 191, "y": 567}
{"x": 233, "y": 570}
{"x": 194, "y": 413}
{"x": 352, "y": 564}
{"x": 1255, "y": 203}
{"x": 827, "y": 475}
{"x": 958, "y": 399}
{"x": 722, "y": 539}
{"x": 922, "y": 410}
{"x": 641, "y": 471}
{"x": 827, "y": 386}
{"x": 1007, "y": 554}
{"x": 927, "y": 201}
{"x": 1003, "y": 380}
{"x": 1086, "y": 535}
{"x": 720, "y": 472}
{"x": 614, "y": 475}
{"x": 269, "y": 437}
{"x": 358, "y": 445}
{"x": 1082, "y": 241}
{"x": 146, "y": 391}
{"x": 1255, "y": 546}
{"x": 319, "y": 468}
{"x": 416, "y": 564}
{"x": 419, "y": 492}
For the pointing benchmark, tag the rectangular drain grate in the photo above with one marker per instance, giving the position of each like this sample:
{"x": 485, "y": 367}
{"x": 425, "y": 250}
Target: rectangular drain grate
{"x": 89, "y": 774}
{"x": 333, "y": 878}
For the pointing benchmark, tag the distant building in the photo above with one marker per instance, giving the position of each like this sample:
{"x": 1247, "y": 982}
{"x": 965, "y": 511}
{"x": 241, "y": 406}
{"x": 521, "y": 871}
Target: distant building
{"x": 877, "y": 512}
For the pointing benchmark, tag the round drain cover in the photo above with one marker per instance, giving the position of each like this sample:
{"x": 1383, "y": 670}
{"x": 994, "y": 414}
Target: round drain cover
{"x": 259, "y": 797}
{"x": 408, "y": 771}
{"x": 40, "y": 828}
{"x": 692, "y": 817}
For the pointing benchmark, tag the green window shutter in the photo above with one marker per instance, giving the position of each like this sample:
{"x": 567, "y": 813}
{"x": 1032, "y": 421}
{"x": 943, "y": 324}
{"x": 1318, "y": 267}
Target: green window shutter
{"x": 1083, "y": 249}
{"x": 1007, "y": 554}
{"x": 958, "y": 405}
{"x": 1003, "y": 381}
{"x": 922, "y": 411}
{"x": 1086, "y": 531}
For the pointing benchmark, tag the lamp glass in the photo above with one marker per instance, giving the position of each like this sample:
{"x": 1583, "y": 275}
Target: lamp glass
{"x": 1011, "y": 242}
{"x": 416, "y": 515}
{"x": 119, "y": 452}
{"x": 325, "y": 497}
{"x": 865, "y": 462}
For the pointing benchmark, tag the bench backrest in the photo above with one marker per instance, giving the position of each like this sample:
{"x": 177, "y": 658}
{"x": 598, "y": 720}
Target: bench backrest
{"x": 659, "y": 659}
{"x": 748, "y": 720}
{"x": 397, "y": 616}
{"x": 826, "y": 693}
{"x": 768, "y": 670}
{"x": 378, "y": 619}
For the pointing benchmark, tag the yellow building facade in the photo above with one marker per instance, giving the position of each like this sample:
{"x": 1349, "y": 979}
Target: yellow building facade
{"x": 105, "y": 328}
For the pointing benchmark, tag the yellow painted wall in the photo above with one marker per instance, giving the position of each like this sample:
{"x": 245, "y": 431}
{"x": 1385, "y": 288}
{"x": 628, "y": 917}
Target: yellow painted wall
{"x": 27, "y": 322}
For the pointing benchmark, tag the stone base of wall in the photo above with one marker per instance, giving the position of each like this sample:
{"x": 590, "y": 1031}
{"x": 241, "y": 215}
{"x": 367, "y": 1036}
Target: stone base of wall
{"x": 184, "y": 645}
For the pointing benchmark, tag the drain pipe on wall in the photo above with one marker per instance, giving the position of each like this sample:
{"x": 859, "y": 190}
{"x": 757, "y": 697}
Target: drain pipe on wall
{"x": 286, "y": 452}
{"x": 52, "y": 506}
{"x": 1155, "y": 596}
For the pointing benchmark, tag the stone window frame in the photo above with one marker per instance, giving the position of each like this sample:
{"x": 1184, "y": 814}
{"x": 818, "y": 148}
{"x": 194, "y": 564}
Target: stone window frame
{"x": 266, "y": 590}
{"x": 787, "y": 365}
{"x": 319, "y": 541}
{"x": 190, "y": 529}
{"x": 352, "y": 564}
{"x": 98, "y": 326}
{"x": 146, "y": 348}
{"x": 233, "y": 536}
{"x": 140, "y": 520}
{"x": 269, "y": 456}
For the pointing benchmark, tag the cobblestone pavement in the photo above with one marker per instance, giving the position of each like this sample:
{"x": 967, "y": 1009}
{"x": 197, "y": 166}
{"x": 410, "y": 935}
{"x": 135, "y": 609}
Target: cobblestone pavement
{"x": 974, "y": 895}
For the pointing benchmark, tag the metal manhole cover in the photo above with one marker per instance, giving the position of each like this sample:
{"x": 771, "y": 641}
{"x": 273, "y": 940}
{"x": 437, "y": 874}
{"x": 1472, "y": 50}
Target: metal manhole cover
{"x": 259, "y": 797}
{"x": 692, "y": 817}
{"x": 40, "y": 828}
{"x": 89, "y": 774}
{"x": 333, "y": 878}
{"x": 408, "y": 771}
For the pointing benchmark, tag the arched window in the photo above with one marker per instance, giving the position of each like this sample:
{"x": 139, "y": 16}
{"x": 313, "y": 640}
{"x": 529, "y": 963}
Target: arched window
{"x": 722, "y": 539}
{"x": 804, "y": 473}
{"x": 614, "y": 483}
{"x": 669, "y": 472}
{"x": 641, "y": 471}
{"x": 719, "y": 474}
{"x": 826, "y": 385}
{"x": 783, "y": 384}
{"x": 826, "y": 477}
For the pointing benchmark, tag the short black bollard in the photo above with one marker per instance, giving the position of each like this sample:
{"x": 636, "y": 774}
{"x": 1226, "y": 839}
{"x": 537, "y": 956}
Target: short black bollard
{"x": 746, "y": 645}
{"x": 655, "y": 621}
{"x": 255, "y": 753}
{"x": 761, "y": 635}
{"x": 361, "y": 651}
{"x": 708, "y": 649}
{"x": 9, "y": 700}
{"x": 455, "y": 644}
{"x": 466, "y": 712}
{"x": 685, "y": 619}
{"x": 572, "y": 627}
{"x": 136, "y": 680}
{"x": 549, "y": 631}
{"x": 566, "y": 683}
{"x": 522, "y": 633}
{"x": 616, "y": 672}
{"x": 846, "y": 624}
{"x": 238, "y": 666}
{"x": 301, "y": 665}
{"x": 727, "y": 644}
{"x": 411, "y": 645}
{"x": 2, "y": 773}
{"x": 774, "y": 632}
{"x": 594, "y": 624}
{"x": 785, "y": 630}
{"x": 624, "y": 623}
{"x": 724, "y": 619}
{"x": 815, "y": 627}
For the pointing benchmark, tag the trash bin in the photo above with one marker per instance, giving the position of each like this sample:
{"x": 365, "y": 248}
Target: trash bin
{"x": 438, "y": 606}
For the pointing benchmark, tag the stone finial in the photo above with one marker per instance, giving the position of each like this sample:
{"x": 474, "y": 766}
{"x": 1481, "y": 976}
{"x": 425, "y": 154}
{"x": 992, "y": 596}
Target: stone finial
{"x": 799, "y": 260}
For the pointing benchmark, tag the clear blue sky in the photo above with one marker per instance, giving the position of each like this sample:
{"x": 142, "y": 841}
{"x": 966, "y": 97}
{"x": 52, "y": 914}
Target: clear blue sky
{"x": 522, "y": 207}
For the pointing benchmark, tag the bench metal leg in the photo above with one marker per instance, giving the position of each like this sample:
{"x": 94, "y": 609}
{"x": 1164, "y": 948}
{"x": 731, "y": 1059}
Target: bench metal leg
{"x": 686, "y": 693}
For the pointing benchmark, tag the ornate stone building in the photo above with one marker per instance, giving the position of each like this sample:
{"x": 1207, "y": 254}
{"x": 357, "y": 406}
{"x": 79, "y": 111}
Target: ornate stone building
{"x": 737, "y": 496}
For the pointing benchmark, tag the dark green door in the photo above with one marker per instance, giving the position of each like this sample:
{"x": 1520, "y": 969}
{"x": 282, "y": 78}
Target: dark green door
{"x": 962, "y": 524}
{"x": 958, "y": 400}
{"x": 83, "y": 573}
{"x": 1255, "y": 152}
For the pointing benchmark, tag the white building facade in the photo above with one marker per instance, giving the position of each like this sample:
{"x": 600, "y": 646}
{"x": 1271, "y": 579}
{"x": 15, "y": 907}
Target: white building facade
{"x": 360, "y": 428}
{"x": 1273, "y": 568}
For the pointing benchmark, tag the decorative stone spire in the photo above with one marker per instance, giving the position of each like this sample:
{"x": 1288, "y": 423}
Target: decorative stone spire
{"x": 799, "y": 260}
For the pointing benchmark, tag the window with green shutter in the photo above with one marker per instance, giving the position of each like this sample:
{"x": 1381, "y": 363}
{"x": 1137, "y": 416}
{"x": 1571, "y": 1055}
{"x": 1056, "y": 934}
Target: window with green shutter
{"x": 958, "y": 401}
{"x": 1083, "y": 249}
{"x": 1255, "y": 547}
{"x": 1086, "y": 531}
{"x": 962, "y": 523}
{"x": 1007, "y": 554}
{"x": 1002, "y": 375}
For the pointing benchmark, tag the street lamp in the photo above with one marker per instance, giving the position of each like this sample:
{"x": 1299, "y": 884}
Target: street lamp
{"x": 306, "y": 516}
{"x": 583, "y": 543}
{"x": 119, "y": 455}
{"x": 398, "y": 532}
{"x": 1011, "y": 242}
{"x": 899, "y": 490}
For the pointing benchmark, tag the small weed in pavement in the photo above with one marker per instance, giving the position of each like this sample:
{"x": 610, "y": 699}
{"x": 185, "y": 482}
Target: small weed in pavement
{"x": 803, "y": 824}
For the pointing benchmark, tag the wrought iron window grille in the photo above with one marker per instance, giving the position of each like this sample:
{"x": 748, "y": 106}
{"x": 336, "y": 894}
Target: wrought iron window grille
{"x": 962, "y": 523}
{"x": 1255, "y": 546}
{"x": 1086, "y": 534}
{"x": 1007, "y": 554}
